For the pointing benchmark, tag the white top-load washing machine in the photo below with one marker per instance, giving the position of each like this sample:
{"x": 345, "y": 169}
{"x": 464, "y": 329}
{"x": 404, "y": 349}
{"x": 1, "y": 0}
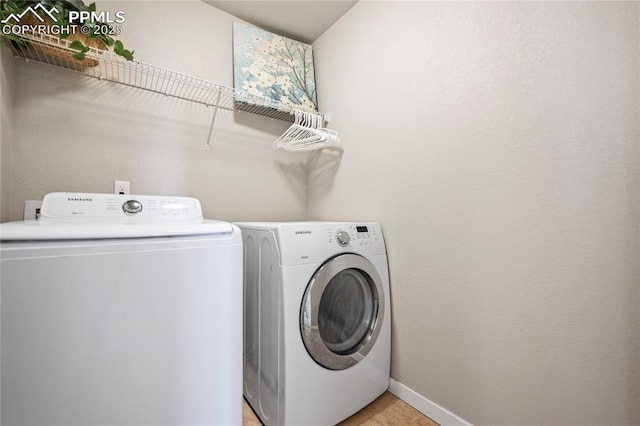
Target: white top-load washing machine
{"x": 120, "y": 310}
{"x": 317, "y": 334}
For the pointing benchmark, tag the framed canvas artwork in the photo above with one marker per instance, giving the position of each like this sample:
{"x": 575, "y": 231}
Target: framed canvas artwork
{"x": 274, "y": 67}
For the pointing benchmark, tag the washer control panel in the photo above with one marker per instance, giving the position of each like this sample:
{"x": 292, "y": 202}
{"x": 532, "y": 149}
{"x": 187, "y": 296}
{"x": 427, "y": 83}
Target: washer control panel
{"x": 119, "y": 208}
{"x": 353, "y": 235}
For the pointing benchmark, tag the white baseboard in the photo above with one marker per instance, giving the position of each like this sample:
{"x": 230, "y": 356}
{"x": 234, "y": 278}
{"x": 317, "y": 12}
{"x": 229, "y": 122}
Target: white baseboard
{"x": 430, "y": 409}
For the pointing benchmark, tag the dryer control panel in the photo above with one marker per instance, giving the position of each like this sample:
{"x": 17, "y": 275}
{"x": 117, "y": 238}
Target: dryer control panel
{"x": 354, "y": 235}
{"x": 314, "y": 242}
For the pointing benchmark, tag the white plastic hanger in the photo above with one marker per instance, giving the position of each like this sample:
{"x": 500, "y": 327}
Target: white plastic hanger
{"x": 306, "y": 133}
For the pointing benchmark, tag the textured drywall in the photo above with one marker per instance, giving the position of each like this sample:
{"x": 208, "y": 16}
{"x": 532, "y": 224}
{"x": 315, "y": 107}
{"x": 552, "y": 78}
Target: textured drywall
{"x": 497, "y": 143}
{"x": 6, "y": 130}
{"x": 78, "y": 134}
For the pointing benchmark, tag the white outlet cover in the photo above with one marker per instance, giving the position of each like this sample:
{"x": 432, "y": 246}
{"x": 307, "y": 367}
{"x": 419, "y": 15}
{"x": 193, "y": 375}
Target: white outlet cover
{"x": 31, "y": 208}
{"x": 121, "y": 187}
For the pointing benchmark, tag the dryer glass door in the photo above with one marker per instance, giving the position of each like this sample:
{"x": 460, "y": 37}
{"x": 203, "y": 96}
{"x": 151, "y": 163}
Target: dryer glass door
{"x": 346, "y": 311}
{"x": 342, "y": 311}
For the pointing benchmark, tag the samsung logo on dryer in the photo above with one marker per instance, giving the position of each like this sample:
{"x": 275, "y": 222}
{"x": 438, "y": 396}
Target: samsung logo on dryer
{"x": 79, "y": 199}
{"x": 301, "y": 232}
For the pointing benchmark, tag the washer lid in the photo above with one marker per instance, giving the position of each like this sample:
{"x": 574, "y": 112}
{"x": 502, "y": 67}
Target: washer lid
{"x": 73, "y": 216}
{"x": 33, "y": 230}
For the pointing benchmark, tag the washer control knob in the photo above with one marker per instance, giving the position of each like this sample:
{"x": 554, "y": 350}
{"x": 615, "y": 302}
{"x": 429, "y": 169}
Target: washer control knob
{"x": 132, "y": 206}
{"x": 343, "y": 238}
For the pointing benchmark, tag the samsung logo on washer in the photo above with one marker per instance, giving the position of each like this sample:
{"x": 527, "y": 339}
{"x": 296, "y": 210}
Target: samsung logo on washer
{"x": 79, "y": 199}
{"x": 302, "y": 232}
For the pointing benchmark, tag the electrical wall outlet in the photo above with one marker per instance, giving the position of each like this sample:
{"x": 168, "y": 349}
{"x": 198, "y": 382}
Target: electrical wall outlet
{"x": 121, "y": 187}
{"x": 32, "y": 209}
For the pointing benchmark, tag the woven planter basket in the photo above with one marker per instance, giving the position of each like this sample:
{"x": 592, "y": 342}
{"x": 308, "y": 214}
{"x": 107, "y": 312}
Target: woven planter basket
{"x": 65, "y": 55}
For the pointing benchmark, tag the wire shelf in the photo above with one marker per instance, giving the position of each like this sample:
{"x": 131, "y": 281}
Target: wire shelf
{"x": 106, "y": 65}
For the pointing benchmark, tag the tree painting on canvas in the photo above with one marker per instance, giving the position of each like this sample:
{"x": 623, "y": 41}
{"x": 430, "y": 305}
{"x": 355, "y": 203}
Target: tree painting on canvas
{"x": 275, "y": 67}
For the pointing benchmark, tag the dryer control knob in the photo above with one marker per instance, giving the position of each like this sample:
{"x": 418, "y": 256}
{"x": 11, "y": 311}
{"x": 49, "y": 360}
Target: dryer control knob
{"x": 343, "y": 238}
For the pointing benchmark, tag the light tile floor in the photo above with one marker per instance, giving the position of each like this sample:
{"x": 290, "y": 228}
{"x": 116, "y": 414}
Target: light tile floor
{"x": 387, "y": 410}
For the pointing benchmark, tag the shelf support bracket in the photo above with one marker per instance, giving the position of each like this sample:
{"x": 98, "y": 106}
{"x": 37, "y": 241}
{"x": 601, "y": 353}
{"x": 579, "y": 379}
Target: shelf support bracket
{"x": 207, "y": 146}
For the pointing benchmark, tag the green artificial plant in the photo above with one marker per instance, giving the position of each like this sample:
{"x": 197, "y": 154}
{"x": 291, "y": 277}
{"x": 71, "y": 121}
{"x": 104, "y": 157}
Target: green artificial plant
{"x": 60, "y": 10}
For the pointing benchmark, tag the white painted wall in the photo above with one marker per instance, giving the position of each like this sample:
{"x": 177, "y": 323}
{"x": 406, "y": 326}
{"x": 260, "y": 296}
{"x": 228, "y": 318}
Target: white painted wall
{"x": 6, "y": 131}
{"x": 77, "y": 134}
{"x": 497, "y": 143}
